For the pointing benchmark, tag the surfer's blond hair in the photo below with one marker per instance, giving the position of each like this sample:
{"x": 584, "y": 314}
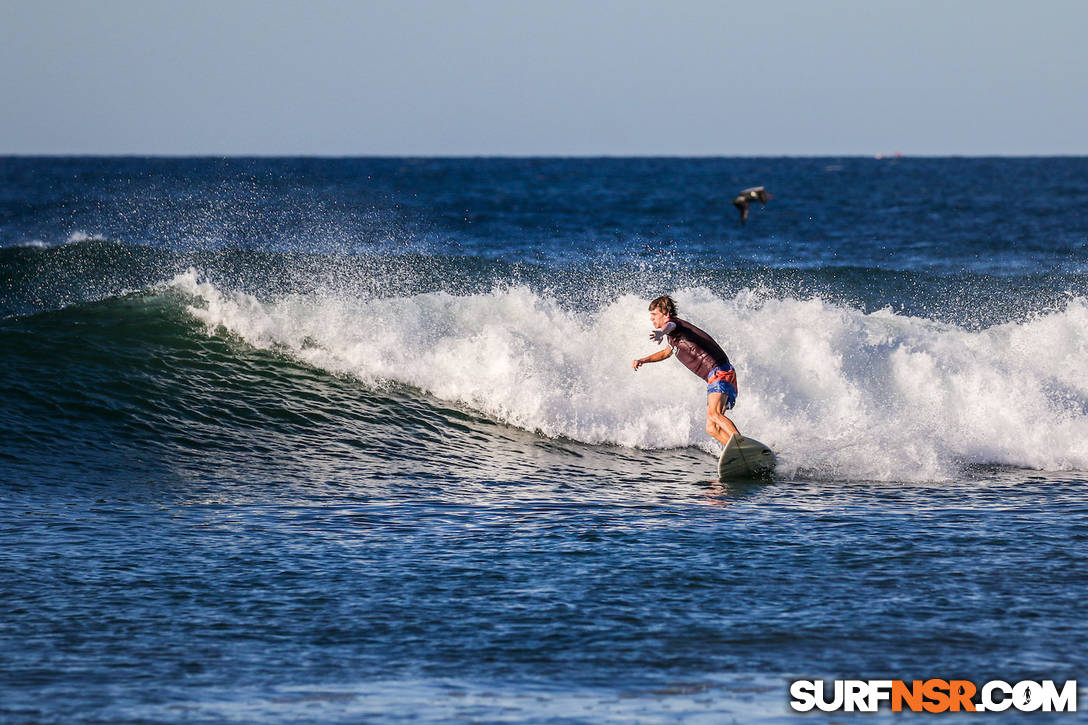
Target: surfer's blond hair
{"x": 665, "y": 305}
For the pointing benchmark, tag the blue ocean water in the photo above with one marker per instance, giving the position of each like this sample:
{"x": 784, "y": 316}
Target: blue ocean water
{"x": 345, "y": 440}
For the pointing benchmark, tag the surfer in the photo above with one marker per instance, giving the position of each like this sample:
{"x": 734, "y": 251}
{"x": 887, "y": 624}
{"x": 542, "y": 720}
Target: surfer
{"x": 702, "y": 356}
{"x": 746, "y": 197}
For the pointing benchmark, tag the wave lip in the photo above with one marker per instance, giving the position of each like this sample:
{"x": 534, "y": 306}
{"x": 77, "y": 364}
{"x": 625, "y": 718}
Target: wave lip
{"x": 839, "y": 393}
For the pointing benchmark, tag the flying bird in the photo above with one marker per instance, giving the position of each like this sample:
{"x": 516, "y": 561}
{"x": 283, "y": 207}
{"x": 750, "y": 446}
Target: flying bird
{"x": 746, "y": 197}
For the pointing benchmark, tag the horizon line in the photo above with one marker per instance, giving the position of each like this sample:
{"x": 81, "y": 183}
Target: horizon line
{"x": 886, "y": 156}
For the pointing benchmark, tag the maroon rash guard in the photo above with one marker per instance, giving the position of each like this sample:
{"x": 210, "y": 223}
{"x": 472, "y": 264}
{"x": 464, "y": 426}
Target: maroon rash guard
{"x": 696, "y": 349}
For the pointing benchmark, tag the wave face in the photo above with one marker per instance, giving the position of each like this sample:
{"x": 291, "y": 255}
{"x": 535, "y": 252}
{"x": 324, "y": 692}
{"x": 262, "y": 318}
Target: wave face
{"x": 513, "y": 294}
{"x": 836, "y": 391}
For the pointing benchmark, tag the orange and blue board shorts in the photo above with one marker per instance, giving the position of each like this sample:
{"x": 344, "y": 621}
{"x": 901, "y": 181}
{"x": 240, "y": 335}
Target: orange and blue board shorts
{"x": 724, "y": 381}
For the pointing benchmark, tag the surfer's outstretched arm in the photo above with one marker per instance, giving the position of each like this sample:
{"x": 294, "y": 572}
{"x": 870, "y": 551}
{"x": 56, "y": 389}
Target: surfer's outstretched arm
{"x": 654, "y": 357}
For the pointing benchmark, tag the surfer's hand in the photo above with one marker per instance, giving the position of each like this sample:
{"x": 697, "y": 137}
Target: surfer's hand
{"x": 636, "y": 364}
{"x": 659, "y": 335}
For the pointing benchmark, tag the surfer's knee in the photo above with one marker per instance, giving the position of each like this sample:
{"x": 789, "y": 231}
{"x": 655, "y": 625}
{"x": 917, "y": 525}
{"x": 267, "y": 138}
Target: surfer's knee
{"x": 722, "y": 422}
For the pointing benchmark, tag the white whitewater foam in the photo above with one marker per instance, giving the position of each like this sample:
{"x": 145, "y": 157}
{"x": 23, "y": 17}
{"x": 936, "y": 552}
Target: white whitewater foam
{"x": 73, "y": 238}
{"x": 80, "y": 237}
{"x": 836, "y": 392}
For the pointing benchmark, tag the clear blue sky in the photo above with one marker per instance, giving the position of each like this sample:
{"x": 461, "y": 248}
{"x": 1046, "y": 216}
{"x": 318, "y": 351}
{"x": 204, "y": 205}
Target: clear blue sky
{"x": 550, "y": 77}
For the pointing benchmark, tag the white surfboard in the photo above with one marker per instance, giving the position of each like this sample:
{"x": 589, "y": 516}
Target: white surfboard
{"x": 745, "y": 458}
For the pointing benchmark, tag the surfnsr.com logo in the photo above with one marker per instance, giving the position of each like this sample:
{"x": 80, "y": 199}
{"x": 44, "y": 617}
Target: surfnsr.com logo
{"x": 933, "y": 696}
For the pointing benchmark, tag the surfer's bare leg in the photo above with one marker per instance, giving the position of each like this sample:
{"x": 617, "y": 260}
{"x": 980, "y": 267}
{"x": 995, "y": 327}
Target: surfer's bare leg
{"x": 717, "y": 424}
